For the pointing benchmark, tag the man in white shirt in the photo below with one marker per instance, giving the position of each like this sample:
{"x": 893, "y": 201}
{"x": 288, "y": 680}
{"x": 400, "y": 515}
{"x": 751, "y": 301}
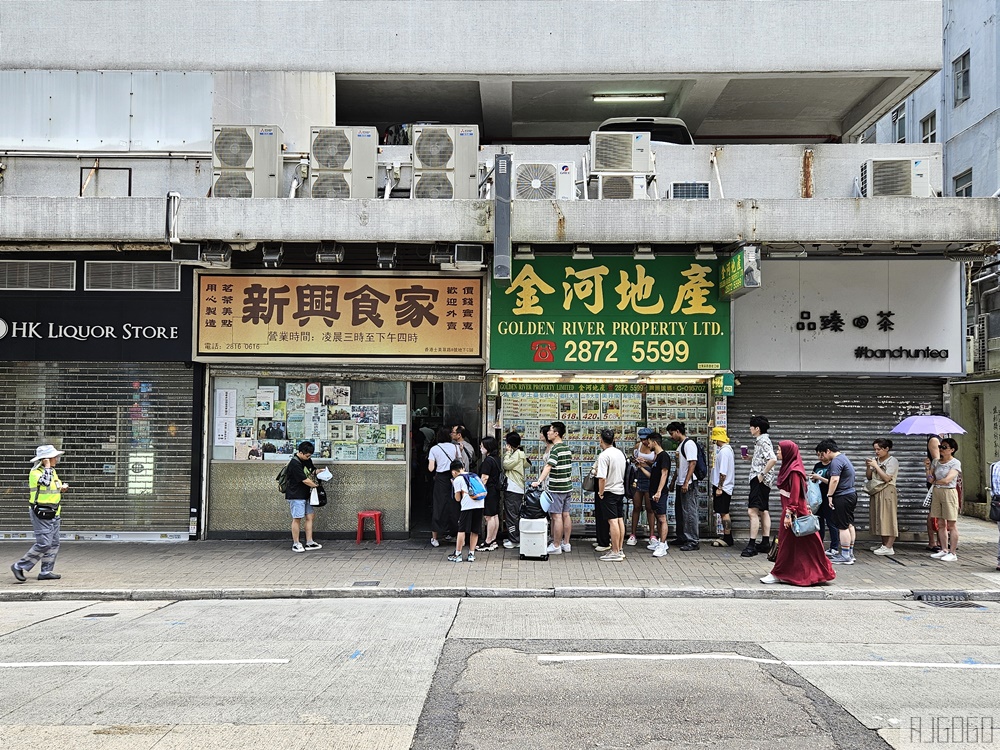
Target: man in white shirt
{"x": 611, "y": 493}
{"x": 686, "y": 486}
{"x": 723, "y": 482}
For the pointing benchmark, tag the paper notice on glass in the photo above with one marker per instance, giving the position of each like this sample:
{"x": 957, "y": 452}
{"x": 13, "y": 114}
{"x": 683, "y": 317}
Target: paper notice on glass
{"x": 399, "y": 414}
{"x": 364, "y": 413}
{"x": 315, "y": 426}
{"x": 265, "y": 403}
{"x": 337, "y": 395}
{"x": 394, "y": 436}
{"x": 225, "y": 430}
{"x": 225, "y": 402}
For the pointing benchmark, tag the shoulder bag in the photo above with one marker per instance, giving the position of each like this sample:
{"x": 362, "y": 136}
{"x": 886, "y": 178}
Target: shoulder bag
{"x": 995, "y": 508}
{"x": 805, "y": 525}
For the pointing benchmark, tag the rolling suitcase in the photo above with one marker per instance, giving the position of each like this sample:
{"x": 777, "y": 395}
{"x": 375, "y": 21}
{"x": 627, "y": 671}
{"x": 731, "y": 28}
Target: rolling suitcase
{"x": 534, "y": 526}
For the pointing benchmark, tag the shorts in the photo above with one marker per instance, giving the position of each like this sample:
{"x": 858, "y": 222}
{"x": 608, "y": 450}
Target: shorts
{"x": 720, "y": 503}
{"x": 471, "y": 521}
{"x": 642, "y": 483}
{"x": 492, "y": 504}
{"x": 300, "y": 508}
{"x": 842, "y": 516}
{"x": 559, "y": 501}
{"x": 760, "y": 493}
{"x": 944, "y": 503}
{"x": 613, "y": 506}
{"x": 660, "y": 506}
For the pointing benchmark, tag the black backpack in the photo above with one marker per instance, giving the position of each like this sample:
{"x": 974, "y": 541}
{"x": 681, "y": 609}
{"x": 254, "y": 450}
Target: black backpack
{"x": 282, "y": 478}
{"x": 701, "y": 465}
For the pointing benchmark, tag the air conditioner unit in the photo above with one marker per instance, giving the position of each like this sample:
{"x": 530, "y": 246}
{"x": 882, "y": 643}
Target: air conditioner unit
{"x": 445, "y": 161}
{"x": 690, "y": 190}
{"x": 343, "y": 162}
{"x": 620, "y": 152}
{"x": 544, "y": 180}
{"x": 617, "y": 187}
{"x": 246, "y": 161}
{"x": 909, "y": 178}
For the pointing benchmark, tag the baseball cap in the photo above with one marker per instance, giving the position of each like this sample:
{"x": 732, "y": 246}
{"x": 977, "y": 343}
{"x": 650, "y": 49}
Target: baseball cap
{"x": 645, "y": 432}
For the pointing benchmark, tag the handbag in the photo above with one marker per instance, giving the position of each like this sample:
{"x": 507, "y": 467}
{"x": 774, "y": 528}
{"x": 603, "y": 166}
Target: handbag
{"x": 995, "y": 508}
{"x": 927, "y": 499}
{"x": 590, "y": 483}
{"x": 805, "y": 525}
{"x": 814, "y": 496}
{"x": 772, "y": 553}
{"x": 873, "y": 485}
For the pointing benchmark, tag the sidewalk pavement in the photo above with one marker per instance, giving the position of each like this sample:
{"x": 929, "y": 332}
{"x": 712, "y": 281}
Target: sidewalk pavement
{"x": 342, "y": 569}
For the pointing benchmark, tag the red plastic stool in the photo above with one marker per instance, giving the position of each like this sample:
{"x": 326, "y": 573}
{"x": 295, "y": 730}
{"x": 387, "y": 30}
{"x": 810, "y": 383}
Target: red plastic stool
{"x": 376, "y": 516}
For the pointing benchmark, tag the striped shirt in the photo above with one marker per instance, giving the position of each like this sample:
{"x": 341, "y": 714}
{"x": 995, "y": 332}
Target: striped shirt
{"x": 560, "y": 475}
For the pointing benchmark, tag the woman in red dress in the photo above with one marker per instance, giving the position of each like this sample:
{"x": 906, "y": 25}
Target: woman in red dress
{"x": 801, "y": 561}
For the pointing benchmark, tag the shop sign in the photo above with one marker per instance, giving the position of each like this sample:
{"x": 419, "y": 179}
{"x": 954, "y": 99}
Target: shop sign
{"x": 95, "y": 327}
{"x": 724, "y": 385}
{"x": 610, "y": 313}
{"x": 338, "y": 316}
{"x": 880, "y": 316}
{"x": 740, "y": 273}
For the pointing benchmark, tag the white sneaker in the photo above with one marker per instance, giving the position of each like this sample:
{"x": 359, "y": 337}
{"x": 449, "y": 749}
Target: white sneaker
{"x": 661, "y": 550}
{"x": 883, "y": 550}
{"x": 653, "y": 539}
{"x": 939, "y": 555}
{"x": 602, "y": 547}
{"x": 631, "y": 541}
{"x": 435, "y": 542}
{"x": 297, "y": 547}
{"x": 553, "y": 550}
{"x": 508, "y": 544}
{"x": 770, "y": 579}
{"x": 949, "y": 557}
{"x": 314, "y": 545}
{"x": 653, "y": 545}
{"x": 567, "y": 547}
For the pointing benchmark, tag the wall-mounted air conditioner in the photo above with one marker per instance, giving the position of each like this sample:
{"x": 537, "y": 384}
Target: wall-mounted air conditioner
{"x": 343, "y": 162}
{"x": 617, "y": 187}
{"x": 246, "y": 161}
{"x": 689, "y": 191}
{"x": 545, "y": 181}
{"x": 620, "y": 152}
{"x": 908, "y": 178}
{"x": 445, "y": 161}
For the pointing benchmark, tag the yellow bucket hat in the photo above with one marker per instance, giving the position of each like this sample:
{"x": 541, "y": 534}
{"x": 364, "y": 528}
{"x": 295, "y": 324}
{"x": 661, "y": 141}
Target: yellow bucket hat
{"x": 719, "y": 433}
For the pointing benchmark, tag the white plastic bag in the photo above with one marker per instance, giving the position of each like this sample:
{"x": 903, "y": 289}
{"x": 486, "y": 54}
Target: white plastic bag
{"x": 313, "y": 496}
{"x": 324, "y": 474}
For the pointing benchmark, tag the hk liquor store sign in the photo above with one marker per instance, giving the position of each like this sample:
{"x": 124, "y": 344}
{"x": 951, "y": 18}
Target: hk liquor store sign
{"x": 86, "y": 327}
{"x": 338, "y": 316}
{"x": 879, "y": 316}
{"x": 610, "y": 313}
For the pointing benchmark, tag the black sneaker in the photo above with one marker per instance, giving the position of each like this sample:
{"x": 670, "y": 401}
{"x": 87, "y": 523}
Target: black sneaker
{"x": 18, "y": 573}
{"x": 749, "y": 551}
{"x": 690, "y": 547}
{"x": 49, "y": 576}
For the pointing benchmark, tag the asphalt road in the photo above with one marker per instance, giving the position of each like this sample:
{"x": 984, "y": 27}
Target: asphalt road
{"x": 498, "y": 673}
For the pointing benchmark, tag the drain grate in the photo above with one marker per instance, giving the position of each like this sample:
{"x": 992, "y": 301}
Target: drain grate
{"x": 954, "y": 605}
{"x": 366, "y": 583}
{"x": 101, "y": 614}
{"x": 941, "y": 596}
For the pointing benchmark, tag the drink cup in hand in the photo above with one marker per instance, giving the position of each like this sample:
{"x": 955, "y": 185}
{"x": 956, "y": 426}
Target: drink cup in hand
{"x": 744, "y": 451}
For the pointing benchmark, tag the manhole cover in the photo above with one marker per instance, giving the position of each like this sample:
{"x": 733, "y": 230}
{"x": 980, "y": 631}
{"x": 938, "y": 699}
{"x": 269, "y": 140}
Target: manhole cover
{"x": 365, "y": 583}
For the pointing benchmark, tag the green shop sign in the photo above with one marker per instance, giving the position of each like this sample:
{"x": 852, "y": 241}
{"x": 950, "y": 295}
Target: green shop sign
{"x": 740, "y": 273}
{"x": 610, "y": 313}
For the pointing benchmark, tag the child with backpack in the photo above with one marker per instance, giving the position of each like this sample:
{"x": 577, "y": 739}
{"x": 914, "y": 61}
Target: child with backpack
{"x": 470, "y": 492}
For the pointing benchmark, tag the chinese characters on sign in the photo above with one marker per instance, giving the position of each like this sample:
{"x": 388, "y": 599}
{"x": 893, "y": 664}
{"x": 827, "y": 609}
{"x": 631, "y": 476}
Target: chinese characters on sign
{"x": 324, "y": 316}
{"x": 610, "y": 313}
{"x": 834, "y": 321}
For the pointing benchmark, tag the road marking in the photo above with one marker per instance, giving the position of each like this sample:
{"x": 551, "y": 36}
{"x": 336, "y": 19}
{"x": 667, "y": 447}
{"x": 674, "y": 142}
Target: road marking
{"x": 175, "y": 663}
{"x": 555, "y": 658}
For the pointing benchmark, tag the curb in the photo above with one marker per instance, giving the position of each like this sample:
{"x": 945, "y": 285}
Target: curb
{"x": 568, "y": 592}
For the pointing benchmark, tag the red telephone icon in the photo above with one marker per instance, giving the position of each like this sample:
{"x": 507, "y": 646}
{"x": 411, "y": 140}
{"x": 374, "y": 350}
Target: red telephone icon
{"x": 543, "y": 350}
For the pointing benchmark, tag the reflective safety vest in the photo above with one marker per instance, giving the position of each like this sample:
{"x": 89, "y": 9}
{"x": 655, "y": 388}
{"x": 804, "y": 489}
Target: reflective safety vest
{"x": 49, "y": 495}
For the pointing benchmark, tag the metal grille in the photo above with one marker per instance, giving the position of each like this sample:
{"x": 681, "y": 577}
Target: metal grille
{"x": 331, "y": 148}
{"x": 233, "y": 147}
{"x": 433, "y": 148}
{"x": 331, "y": 185}
{"x": 851, "y": 411}
{"x": 689, "y": 190}
{"x": 126, "y": 430}
{"x": 231, "y": 184}
{"x": 38, "y": 275}
{"x": 613, "y": 152}
{"x": 892, "y": 177}
{"x": 433, "y": 185}
{"x": 106, "y": 276}
{"x": 616, "y": 187}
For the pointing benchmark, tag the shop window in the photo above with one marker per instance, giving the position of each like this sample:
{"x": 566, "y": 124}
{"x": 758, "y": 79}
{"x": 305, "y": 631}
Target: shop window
{"x": 928, "y": 128}
{"x": 963, "y": 184}
{"x": 960, "y": 74}
{"x": 264, "y": 419}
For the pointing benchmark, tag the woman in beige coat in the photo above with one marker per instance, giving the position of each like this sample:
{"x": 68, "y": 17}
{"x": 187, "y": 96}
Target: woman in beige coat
{"x": 881, "y": 472}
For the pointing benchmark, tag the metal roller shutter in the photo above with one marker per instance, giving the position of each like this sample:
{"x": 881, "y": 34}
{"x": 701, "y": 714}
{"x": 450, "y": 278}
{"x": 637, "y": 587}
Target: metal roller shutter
{"x": 127, "y": 432}
{"x": 850, "y": 410}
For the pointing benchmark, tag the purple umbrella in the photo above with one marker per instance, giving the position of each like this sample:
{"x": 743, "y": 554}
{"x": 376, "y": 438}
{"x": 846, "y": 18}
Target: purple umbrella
{"x": 928, "y": 424}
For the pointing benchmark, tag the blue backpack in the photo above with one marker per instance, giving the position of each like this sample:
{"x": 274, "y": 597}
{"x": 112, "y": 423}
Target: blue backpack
{"x": 477, "y": 491}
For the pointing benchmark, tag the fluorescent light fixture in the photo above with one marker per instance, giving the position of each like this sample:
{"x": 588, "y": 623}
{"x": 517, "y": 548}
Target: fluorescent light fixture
{"x": 644, "y": 252}
{"x": 385, "y": 258}
{"x": 854, "y": 251}
{"x": 330, "y": 252}
{"x": 779, "y": 254}
{"x": 582, "y": 252}
{"x": 611, "y": 98}
{"x": 705, "y": 252}
{"x": 906, "y": 250}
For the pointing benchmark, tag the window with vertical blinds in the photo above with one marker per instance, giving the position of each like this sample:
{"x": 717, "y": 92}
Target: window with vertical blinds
{"x": 126, "y": 429}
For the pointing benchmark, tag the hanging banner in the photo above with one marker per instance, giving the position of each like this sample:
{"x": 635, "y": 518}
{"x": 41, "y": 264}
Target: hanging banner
{"x": 610, "y": 313}
{"x": 338, "y": 316}
{"x": 740, "y": 273}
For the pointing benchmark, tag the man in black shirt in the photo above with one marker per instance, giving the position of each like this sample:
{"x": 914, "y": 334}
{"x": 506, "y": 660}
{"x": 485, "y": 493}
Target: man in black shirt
{"x": 659, "y": 475}
{"x": 299, "y": 483}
